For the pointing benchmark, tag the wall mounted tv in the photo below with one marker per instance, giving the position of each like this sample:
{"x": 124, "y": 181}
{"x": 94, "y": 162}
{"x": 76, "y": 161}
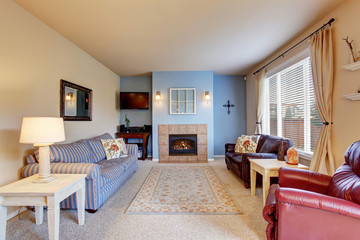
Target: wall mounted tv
{"x": 134, "y": 100}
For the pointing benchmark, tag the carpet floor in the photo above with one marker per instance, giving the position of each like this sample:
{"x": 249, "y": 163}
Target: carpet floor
{"x": 111, "y": 222}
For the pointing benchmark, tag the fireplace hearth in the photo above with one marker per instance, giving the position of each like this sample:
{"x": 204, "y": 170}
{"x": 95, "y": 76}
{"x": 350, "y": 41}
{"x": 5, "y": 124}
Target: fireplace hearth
{"x": 182, "y": 144}
{"x": 182, "y": 155}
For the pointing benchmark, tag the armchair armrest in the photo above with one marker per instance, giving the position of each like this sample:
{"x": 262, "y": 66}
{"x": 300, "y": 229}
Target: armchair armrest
{"x": 269, "y": 212}
{"x": 91, "y": 170}
{"x": 291, "y": 196}
{"x": 304, "y": 179}
{"x": 229, "y": 147}
{"x": 307, "y": 215}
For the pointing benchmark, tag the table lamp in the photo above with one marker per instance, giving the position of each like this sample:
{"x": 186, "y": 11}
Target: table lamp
{"x": 42, "y": 132}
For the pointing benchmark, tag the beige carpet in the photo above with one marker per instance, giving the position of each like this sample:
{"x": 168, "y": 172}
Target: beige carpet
{"x": 183, "y": 190}
{"x": 110, "y": 221}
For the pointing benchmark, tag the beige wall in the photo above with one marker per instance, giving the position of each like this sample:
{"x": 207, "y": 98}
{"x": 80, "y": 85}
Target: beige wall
{"x": 346, "y": 113}
{"x": 33, "y": 59}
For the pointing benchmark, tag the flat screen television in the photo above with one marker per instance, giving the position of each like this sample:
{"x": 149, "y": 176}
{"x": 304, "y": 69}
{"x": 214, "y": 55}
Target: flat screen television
{"x": 134, "y": 100}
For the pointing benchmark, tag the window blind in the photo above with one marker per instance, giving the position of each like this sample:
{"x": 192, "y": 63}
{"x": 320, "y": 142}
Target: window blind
{"x": 292, "y": 111}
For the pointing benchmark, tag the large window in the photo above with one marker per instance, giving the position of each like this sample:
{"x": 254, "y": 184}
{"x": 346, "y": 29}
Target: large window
{"x": 291, "y": 110}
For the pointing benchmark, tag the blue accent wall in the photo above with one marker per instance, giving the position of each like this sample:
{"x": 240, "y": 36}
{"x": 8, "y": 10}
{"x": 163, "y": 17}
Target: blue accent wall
{"x": 137, "y": 117}
{"x": 228, "y": 127}
{"x": 202, "y": 81}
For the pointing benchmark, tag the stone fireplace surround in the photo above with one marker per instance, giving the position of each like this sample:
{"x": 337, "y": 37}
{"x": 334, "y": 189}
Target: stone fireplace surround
{"x": 199, "y": 129}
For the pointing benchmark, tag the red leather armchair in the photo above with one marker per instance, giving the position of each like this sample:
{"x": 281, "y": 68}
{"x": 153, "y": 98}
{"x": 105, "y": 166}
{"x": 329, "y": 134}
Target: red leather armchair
{"x": 308, "y": 205}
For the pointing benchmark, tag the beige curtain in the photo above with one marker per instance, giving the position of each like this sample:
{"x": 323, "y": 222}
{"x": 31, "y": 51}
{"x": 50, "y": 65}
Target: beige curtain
{"x": 260, "y": 101}
{"x": 323, "y": 77}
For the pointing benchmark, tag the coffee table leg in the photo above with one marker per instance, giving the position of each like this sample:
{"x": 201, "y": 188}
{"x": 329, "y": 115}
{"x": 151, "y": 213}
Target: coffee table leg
{"x": 253, "y": 180}
{"x": 3, "y": 218}
{"x": 53, "y": 218}
{"x": 80, "y": 202}
{"x": 39, "y": 213}
{"x": 266, "y": 186}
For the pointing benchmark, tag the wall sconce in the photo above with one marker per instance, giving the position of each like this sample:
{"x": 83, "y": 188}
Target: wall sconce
{"x": 157, "y": 96}
{"x": 207, "y": 96}
{"x": 69, "y": 96}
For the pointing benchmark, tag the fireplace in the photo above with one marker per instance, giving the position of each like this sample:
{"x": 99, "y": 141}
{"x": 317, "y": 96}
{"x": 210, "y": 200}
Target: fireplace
{"x": 182, "y": 144}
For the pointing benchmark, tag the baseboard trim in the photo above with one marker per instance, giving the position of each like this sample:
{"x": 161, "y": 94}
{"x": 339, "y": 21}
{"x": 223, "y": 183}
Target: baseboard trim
{"x": 155, "y": 159}
{"x": 16, "y": 212}
{"x": 210, "y": 159}
{"x": 219, "y": 156}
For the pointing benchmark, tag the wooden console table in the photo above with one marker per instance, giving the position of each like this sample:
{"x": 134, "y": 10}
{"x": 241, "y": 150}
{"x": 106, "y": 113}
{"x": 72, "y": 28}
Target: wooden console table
{"x": 139, "y": 135}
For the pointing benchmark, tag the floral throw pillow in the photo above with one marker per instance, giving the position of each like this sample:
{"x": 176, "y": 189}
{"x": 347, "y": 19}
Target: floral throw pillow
{"x": 114, "y": 148}
{"x": 247, "y": 144}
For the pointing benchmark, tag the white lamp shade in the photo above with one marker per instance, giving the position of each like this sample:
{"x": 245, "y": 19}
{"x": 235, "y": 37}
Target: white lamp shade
{"x": 42, "y": 130}
{"x": 207, "y": 95}
{"x": 157, "y": 96}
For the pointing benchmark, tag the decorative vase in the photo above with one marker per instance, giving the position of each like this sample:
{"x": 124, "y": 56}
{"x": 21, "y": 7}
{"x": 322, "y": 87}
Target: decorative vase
{"x": 292, "y": 156}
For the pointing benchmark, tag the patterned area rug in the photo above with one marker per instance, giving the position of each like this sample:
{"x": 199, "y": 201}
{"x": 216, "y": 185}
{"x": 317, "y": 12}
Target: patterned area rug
{"x": 183, "y": 190}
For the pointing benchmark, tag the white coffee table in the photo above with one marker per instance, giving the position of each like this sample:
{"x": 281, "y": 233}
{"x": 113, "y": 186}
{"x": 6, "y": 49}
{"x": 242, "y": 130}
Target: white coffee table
{"x": 27, "y": 193}
{"x": 267, "y": 168}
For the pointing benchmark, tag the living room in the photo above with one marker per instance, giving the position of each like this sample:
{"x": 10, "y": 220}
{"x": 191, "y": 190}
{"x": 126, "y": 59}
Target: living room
{"x": 35, "y": 56}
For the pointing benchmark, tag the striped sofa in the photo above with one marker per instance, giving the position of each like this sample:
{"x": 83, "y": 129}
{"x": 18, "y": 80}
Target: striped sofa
{"x": 87, "y": 156}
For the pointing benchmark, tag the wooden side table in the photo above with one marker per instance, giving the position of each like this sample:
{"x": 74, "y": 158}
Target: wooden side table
{"x": 27, "y": 193}
{"x": 140, "y": 135}
{"x": 267, "y": 168}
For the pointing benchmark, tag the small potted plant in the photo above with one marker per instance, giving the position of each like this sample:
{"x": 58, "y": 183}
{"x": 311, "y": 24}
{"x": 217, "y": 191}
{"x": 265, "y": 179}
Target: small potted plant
{"x": 127, "y": 121}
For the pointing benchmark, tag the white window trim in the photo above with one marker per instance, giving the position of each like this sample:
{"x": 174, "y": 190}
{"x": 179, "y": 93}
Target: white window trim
{"x": 293, "y": 60}
{"x": 305, "y": 155}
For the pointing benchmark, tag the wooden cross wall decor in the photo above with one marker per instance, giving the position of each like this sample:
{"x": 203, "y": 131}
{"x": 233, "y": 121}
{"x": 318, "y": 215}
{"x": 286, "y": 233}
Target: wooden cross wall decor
{"x": 228, "y": 105}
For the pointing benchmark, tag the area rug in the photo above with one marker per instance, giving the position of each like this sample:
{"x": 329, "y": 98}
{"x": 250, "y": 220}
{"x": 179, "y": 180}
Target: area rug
{"x": 183, "y": 190}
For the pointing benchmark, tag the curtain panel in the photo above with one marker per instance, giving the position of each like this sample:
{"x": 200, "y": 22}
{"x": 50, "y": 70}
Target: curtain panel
{"x": 260, "y": 101}
{"x": 321, "y": 46}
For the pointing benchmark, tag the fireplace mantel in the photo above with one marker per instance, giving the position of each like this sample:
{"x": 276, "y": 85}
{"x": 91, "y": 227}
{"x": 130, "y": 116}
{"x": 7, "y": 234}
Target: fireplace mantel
{"x": 199, "y": 129}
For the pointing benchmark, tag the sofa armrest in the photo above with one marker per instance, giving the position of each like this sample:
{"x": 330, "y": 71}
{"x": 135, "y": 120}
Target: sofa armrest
{"x": 292, "y": 196}
{"x": 304, "y": 179}
{"x": 132, "y": 149}
{"x": 269, "y": 212}
{"x": 229, "y": 147}
{"x": 91, "y": 170}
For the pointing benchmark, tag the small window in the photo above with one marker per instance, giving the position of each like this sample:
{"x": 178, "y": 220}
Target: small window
{"x": 182, "y": 101}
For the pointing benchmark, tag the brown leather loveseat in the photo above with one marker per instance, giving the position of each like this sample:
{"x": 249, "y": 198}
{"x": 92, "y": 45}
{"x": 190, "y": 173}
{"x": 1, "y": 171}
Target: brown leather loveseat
{"x": 309, "y": 205}
{"x": 268, "y": 146}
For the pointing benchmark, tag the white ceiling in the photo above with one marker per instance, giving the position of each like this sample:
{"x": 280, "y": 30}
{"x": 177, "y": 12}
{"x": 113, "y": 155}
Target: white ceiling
{"x": 136, "y": 37}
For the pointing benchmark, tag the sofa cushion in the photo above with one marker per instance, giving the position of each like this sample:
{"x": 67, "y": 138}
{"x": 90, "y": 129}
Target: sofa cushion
{"x": 246, "y": 144}
{"x": 77, "y": 152}
{"x": 271, "y": 144}
{"x": 114, "y": 148}
{"x": 97, "y": 150}
{"x": 31, "y": 159}
{"x": 111, "y": 169}
{"x": 345, "y": 184}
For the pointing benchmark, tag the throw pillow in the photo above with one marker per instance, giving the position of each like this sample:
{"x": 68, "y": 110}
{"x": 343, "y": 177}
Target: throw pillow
{"x": 246, "y": 144}
{"x": 114, "y": 148}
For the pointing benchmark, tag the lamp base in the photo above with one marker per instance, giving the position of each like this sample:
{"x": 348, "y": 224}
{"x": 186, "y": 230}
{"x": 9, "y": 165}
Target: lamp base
{"x": 44, "y": 179}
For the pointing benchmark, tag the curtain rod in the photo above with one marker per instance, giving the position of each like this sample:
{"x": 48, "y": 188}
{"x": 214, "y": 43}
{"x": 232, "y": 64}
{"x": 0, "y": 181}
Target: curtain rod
{"x": 282, "y": 54}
